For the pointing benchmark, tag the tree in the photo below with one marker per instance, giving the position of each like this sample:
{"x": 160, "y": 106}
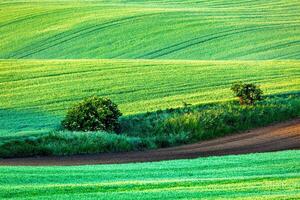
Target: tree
{"x": 248, "y": 93}
{"x": 93, "y": 114}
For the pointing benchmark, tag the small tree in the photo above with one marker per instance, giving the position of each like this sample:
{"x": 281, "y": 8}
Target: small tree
{"x": 248, "y": 93}
{"x": 93, "y": 114}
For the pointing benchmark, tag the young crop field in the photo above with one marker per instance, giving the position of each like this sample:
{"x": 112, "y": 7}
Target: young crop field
{"x": 253, "y": 176}
{"x": 37, "y": 93}
{"x": 169, "y": 66}
{"x": 145, "y": 55}
{"x": 199, "y": 30}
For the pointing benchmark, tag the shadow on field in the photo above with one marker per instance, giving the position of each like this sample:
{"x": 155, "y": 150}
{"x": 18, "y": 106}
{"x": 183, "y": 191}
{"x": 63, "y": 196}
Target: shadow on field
{"x": 16, "y": 123}
{"x": 283, "y": 94}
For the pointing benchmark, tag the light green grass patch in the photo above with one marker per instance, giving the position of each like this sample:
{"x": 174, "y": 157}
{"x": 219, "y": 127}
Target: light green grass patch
{"x": 205, "y": 30}
{"x": 253, "y": 176}
{"x": 50, "y": 87}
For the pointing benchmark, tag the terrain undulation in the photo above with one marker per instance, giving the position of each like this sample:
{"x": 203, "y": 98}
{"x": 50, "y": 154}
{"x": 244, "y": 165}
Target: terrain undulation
{"x": 145, "y": 56}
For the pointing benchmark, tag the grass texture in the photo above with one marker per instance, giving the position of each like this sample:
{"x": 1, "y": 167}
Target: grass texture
{"x": 254, "y": 176}
{"x": 198, "y": 30}
{"x": 35, "y": 94}
{"x": 137, "y": 52}
{"x": 254, "y": 41}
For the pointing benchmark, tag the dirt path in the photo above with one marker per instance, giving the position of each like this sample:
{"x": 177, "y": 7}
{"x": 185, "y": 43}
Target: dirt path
{"x": 276, "y": 137}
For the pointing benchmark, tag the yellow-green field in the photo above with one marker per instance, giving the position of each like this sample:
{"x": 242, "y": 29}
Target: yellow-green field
{"x": 36, "y": 93}
{"x": 220, "y": 29}
{"x": 145, "y": 56}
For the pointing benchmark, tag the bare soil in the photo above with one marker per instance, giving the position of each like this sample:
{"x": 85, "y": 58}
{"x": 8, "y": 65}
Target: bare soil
{"x": 276, "y": 137}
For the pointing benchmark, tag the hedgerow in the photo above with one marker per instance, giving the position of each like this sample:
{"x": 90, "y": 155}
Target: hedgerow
{"x": 163, "y": 128}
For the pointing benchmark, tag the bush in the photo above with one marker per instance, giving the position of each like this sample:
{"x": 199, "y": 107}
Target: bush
{"x": 248, "y": 93}
{"x": 93, "y": 114}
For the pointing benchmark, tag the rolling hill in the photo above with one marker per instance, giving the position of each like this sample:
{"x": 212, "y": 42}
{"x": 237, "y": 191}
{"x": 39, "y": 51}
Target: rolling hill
{"x": 36, "y": 93}
{"x": 145, "y": 56}
{"x": 198, "y": 30}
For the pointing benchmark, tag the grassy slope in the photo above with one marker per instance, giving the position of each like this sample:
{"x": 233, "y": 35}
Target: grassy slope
{"x": 36, "y": 93}
{"x": 151, "y": 29}
{"x": 254, "y": 176}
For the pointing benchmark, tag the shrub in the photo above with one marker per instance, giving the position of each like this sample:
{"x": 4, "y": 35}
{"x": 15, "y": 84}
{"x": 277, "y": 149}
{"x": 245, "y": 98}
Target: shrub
{"x": 93, "y": 114}
{"x": 248, "y": 93}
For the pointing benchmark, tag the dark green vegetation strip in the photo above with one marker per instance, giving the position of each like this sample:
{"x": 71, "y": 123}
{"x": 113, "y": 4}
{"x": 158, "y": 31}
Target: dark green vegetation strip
{"x": 253, "y": 176}
{"x": 166, "y": 128}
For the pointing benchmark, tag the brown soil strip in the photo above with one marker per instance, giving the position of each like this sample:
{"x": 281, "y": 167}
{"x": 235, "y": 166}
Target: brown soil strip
{"x": 282, "y": 136}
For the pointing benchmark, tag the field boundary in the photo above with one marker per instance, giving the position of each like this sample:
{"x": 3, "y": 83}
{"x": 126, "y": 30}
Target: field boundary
{"x": 276, "y": 137}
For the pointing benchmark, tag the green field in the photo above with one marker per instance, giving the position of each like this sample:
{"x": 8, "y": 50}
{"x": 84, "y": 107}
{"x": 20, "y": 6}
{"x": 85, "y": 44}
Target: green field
{"x": 199, "y": 30}
{"x": 145, "y": 56}
{"x": 36, "y": 93}
{"x": 253, "y": 176}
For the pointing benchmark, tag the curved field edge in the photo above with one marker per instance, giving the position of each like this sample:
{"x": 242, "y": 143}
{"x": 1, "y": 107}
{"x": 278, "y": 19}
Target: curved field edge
{"x": 151, "y": 30}
{"x": 171, "y": 127}
{"x": 35, "y": 94}
{"x": 253, "y": 176}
